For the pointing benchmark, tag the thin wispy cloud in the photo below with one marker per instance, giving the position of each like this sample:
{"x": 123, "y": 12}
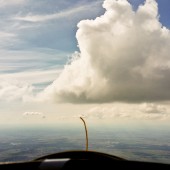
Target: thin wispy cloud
{"x": 59, "y": 15}
{"x": 11, "y": 2}
{"x": 35, "y": 60}
{"x": 32, "y": 77}
{"x": 7, "y": 39}
{"x": 26, "y": 22}
{"x": 6, "y": 35}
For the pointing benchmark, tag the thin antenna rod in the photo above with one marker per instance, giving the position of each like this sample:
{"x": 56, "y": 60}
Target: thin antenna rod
{"x": 86, "y": 133}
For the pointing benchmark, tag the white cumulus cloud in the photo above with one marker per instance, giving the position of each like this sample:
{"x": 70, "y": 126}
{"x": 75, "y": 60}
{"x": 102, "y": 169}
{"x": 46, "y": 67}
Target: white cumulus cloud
{"x": 124, "y": 56}
{"x": 33, "y": 114}
{"x": 153, "y": 108}
{"x": 145, "y": 111}
{"x": 14, "y": 90}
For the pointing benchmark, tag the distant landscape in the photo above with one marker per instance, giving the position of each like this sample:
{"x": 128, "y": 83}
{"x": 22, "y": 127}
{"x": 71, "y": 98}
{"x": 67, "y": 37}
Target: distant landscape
{"x": 30, "y": 143}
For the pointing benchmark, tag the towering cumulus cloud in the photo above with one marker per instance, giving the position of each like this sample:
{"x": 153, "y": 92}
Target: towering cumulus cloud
{"x": 124, "y": 56}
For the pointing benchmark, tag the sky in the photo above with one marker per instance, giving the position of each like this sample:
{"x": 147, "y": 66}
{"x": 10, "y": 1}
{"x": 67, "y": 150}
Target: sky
{"x": 103, "y": 59}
